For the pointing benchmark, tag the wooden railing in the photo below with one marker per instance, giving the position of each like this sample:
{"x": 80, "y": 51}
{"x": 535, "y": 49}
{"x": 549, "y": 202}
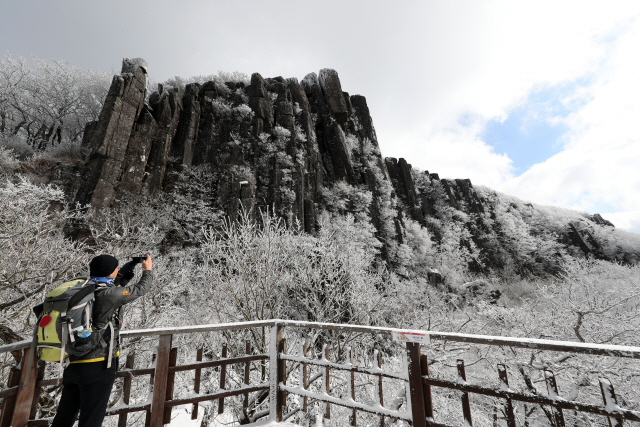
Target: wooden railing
{"x": 20, "y": 400}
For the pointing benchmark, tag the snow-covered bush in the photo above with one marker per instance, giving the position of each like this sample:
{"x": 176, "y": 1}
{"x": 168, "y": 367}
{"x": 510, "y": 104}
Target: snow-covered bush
{"x": 256, "y": 272}
{"x": 68, "y": 151}
{"x": 50, "y": 102}
{"x": 8, "y": 161}
{"x": 34, "y": 252}
{"x": 244, "y": 111}
{"x": 220, "y": 77}
{"x": 343, "y": 198}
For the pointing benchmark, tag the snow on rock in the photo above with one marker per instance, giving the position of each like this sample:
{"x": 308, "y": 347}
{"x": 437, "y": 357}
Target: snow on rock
{"x": 130, "y": 65}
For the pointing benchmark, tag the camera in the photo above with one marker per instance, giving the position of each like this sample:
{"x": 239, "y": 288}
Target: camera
{"x": 138, "y": 259}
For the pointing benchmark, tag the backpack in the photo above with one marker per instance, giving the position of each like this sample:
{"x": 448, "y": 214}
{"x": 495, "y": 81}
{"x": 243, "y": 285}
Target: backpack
{"x": 67, "y": 310}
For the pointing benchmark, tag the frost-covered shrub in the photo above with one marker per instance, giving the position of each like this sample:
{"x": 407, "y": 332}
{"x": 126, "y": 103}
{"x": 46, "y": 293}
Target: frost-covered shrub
{"x": 343, "y": 198}
{"x": 244, "y": 111}
{"x": 418, "y": 253}
{"x": 369, "y": 150}
{"x": 8, "y": 161}
{"x": 19, "y": 148}
{"x": 35, "y": 255}
{"x": 352, "y": 143}
{"x": 223, "y": 89}
{"x": 220, "y": 77}
{"x": 280, "y": 132}
{"x": 240, "y": 93}
{"x": 222, "y": 107}
{"x": 49, "y": 102}
{"x": 456, "y": 251}
{"x": 265, "y": 271}
{"x": 300, "y": 135}
{"x": 618, "y": 245}
{"x": 68, "y": 151}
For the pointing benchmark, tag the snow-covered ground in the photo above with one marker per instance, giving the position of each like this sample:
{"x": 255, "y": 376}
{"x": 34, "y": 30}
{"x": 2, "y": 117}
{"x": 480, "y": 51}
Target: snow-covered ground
{"x": 272, "y": 424}
{"x": 181, "y": 417}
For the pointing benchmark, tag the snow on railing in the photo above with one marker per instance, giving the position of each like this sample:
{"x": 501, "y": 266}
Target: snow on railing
{"x": 19, "y": 403}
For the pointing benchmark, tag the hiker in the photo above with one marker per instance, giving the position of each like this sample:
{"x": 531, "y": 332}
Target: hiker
{"x": 87, "y": 381}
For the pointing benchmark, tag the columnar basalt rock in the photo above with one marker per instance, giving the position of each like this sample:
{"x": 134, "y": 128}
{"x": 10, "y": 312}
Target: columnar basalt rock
{"x": 237, "y": 196}
{"x": 336, "y": 158}
{"x": 111, "y": 135}
{"x": 332, "y": 91}
{"x": 261, "y": 105}
{"x": 402, "y": 179}
{"x": 185, "y": 139}
{"x": 361, "y": 112}
{"x": 137, "y": 154}
{"x": 88, "y": 138}
{"x": 598, "y": 219}
{"x": 206, "y": 141}
{"x": 462, "y": 196}
{"x": 167, "y": 108}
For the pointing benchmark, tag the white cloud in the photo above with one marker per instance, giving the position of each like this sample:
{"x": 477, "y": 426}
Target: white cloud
{"x": 523, "y": 49}
{"x": 600, "y": 162}
{"x": 629, "y": 221}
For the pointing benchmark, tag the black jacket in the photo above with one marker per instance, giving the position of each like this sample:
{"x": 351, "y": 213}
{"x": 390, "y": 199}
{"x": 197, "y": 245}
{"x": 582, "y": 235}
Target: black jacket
{"x": 109, "y": 300}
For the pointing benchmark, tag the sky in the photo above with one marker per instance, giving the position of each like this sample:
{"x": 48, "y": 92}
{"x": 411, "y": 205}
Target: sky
{"x": 536, "y": 99}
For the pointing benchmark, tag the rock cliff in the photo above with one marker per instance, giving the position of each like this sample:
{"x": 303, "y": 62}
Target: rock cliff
{"x": 275, "y": 143}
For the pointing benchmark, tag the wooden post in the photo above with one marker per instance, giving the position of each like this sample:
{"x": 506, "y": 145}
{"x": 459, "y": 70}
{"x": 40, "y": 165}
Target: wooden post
{"x": 126, "y": 390}
{"x": 327, "y": 380}
{"x": 36, "y": 392}
{"x": 24, "y": 398}
{"x": 378, "y": 356}
{"x": 223, "y": 378}
{"x": 304, "y": 382}
{"x": 8, "y": 403}
{"x": 414, "y": 374}
{"x": 426, "y": 388}
{"x": 275, "y": 374}
{"x": 610, "y": 401}
{"x": 147, "y": 421}
{"x": 196, "y": 384}
{"x": 352, "y": 387}
{"x": 173, "y": 358}
{"x": 160, "y": 381}
{"x": 508, "y": 407}
{"x": 283, "y": 367}
{"x": 466, "y": 408}
{"x": 247, "y": 370}
{"x": 552, "y": 389}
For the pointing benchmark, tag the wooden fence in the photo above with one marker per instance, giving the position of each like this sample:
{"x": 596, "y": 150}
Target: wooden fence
{"x": 20, "y": 400}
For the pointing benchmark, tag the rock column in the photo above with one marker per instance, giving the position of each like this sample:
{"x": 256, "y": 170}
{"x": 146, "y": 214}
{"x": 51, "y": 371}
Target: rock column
{"x": 111, "y": 135}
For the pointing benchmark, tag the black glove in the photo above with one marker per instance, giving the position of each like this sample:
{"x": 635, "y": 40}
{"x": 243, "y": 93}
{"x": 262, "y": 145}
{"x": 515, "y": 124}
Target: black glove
{"x": 126, "y": 273}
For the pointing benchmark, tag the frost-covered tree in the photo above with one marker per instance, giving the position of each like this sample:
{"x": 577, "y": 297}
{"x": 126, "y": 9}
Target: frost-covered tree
{"x": 49, "y": 102}
{"x": 34, "y": 253}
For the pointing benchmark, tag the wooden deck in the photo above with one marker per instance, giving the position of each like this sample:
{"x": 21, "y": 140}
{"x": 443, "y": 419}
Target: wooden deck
{"x": 19, "y": 405}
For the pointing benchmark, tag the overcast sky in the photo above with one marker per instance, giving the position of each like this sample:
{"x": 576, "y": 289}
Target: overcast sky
{"x": 540, "y": 100}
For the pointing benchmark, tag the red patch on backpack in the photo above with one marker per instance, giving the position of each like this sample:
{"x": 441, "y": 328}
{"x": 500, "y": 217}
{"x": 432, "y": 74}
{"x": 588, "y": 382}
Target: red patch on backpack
{"x": 45, "y": 321}
{"x": 126, "y": 293}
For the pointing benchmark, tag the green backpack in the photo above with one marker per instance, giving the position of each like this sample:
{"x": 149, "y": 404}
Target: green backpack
{"x": 65, "y": 314}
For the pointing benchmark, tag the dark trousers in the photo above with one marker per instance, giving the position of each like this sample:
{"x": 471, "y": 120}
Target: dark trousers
{"x": 86, "y": 389}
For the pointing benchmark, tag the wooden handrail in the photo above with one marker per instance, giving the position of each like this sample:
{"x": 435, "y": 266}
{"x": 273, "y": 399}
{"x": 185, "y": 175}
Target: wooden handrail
{"x": 532, "y": 398}
{"x": 531, "y": 343}
{"x": 415, "y": 376}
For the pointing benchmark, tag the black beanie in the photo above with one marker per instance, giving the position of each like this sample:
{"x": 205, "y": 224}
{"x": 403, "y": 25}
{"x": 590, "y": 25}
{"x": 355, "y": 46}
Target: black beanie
{"x": 103, "y": 266}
